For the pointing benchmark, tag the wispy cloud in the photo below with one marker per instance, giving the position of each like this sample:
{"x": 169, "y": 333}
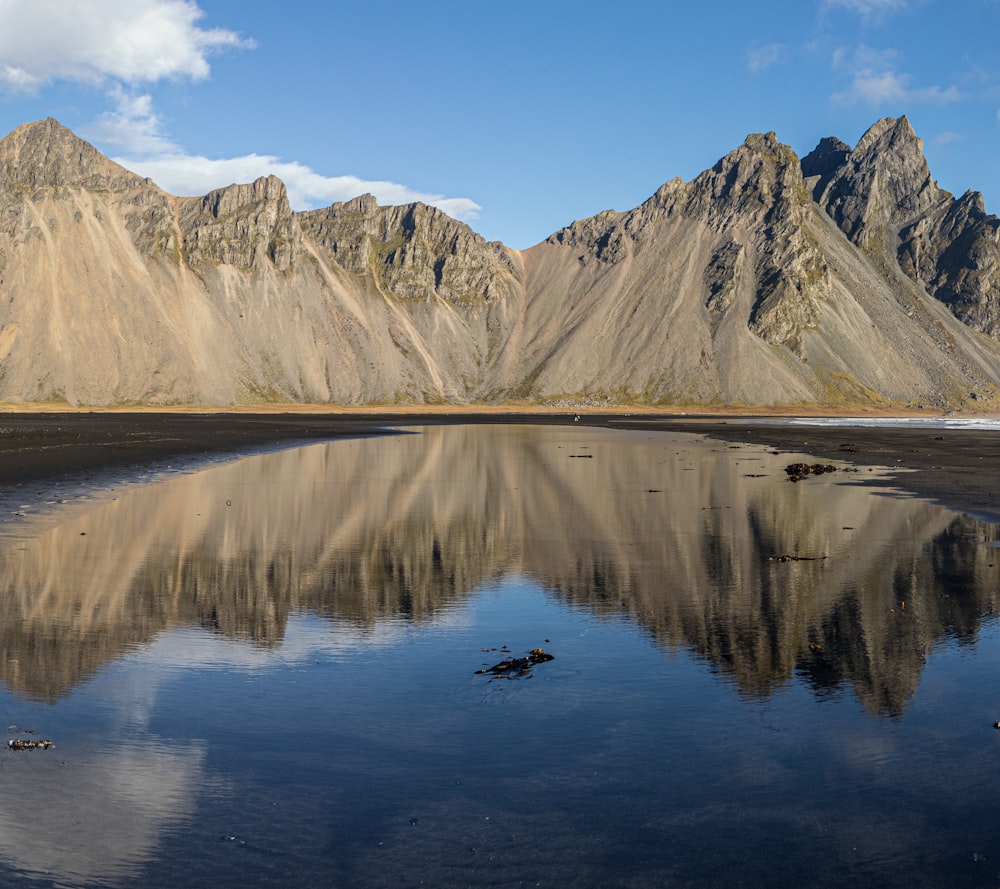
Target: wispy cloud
{"x": 92, "y": 41}
{"x": 870, "y": 10}
{"x": 762, "y": 57}
{"x": 134, "y": 129}
{"x": 875, "y": 80}
{"x": 948, "y": 137}
{"x": 133, "y": 126}
{"x": 185, "y": 174}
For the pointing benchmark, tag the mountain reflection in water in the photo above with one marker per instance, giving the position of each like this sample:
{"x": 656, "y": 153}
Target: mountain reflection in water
{"x": 673, "y": 532}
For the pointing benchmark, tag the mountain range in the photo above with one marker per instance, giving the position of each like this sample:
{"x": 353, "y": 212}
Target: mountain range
{"x": 845, "y": 278}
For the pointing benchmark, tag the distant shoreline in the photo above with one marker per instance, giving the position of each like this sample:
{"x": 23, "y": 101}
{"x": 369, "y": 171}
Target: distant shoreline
{"x": 959, "y": 468}
{"x": 464, "y": 410}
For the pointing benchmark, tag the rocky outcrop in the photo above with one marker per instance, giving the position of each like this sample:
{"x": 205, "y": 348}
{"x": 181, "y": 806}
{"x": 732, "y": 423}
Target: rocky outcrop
{"x": 758, "y": 191}
{"x": 955, "y": 254}
{"x": 882, "y": 196}
{"x": 241, "y": 225}
{"x": 883, "y": 184}
{"x": 823, "y": 162}
{"x": 46, "y": 155}
{"x": 412, "y": 251}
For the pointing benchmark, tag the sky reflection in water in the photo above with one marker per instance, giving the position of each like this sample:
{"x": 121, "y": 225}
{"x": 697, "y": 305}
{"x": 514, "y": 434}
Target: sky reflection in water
{"x": 264, "y": 673}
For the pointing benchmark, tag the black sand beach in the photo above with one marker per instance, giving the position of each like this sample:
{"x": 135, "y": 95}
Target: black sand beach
{"x": 958, "y": 468}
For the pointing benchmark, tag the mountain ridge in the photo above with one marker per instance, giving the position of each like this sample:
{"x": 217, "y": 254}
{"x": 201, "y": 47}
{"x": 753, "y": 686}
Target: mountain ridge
{"x": 845, "y": 278}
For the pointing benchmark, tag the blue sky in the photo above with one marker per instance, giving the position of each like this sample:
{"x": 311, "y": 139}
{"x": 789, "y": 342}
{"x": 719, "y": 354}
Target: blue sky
{"x": 517, "y": 118}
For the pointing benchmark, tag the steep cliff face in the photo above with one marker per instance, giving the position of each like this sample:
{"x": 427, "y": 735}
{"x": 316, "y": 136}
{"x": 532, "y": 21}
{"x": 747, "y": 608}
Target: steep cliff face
{"x": 756, "y": 199}
{"x": 882, "y": 196}
{"x": 880, "y": 186}
{"x": 846, "y": 278}
{"x": 413, "y": 251}
{"x": 955, "y": 254}
{"x": 243, "y": 226}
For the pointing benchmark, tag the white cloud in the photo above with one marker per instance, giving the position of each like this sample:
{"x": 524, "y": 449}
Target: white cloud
{"x": 875, "y": 81}
{"x": 90, "y": 41}
{"x": 133, "y": 126}
{"x": 762, "y": 57}
{"x": 869, "y": 9}
{"x": 185, "y": 174}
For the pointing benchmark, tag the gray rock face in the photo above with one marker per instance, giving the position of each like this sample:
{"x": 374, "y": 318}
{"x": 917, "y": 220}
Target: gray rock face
{"x": 882, "y": 196}
{"x": 847, "y": 278}
{"x": 881, "y": 185}
{"x": 722, "y": 275}
{"x": 412, "y": 251}
{"x": 824, "y": 161}
{"x": 46, "y": 155}
{"x": 758, "y": 191}
{"x": 955, "y": 254}
{"x": 241, "y": 225}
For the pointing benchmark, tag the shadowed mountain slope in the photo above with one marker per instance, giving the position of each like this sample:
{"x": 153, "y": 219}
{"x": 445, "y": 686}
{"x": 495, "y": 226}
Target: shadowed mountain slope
{"x": 847, "y": 278}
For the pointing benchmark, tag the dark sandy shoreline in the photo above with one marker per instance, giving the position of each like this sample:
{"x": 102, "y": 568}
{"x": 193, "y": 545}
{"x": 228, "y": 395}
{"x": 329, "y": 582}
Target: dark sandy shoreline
{"x": 957, "y": 468}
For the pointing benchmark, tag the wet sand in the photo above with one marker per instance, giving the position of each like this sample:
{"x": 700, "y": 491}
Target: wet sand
{"x": 957, "y": 468}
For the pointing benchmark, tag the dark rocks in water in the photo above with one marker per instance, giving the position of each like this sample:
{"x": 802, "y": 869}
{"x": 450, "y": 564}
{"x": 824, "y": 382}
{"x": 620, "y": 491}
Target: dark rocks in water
{"x": 517, "y": 667}
{"x": 798, "y": 471}
{"x": 21, "y": 744}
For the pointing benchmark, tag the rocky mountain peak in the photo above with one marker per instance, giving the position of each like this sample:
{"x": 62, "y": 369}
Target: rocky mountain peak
{"x": 824, "y": 161}
{"x": 411, "y": 251}
{"x": 760, "y": 182}
{"x": 757, "y": 184}
{"x": 880, "y": 186}
{"x": 233, "y": 198}
{"x": 242, "y": 225}
{"x": 45, "y": 154}
{"x": 890, "y": 134}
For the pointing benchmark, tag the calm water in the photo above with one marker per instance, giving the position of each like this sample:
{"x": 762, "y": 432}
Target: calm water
{"x": 264, "y": 673}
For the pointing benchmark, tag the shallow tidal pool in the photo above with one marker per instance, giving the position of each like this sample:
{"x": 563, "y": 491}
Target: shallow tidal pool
{"x": 265, "y": 673}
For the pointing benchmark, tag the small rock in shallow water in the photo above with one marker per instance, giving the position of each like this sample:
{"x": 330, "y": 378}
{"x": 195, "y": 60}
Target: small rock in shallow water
{"x": 20, "y": 744}
{"x": 798, "y": 471}
{"x": 516, "y": 667}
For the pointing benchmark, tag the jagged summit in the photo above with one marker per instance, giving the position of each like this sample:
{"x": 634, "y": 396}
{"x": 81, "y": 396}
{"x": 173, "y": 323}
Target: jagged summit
{"x": 823, "y": 161}
{"x": 846, "y": 278}
{"x": 879, "y": 186}
{"x": 45, "y": 154}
